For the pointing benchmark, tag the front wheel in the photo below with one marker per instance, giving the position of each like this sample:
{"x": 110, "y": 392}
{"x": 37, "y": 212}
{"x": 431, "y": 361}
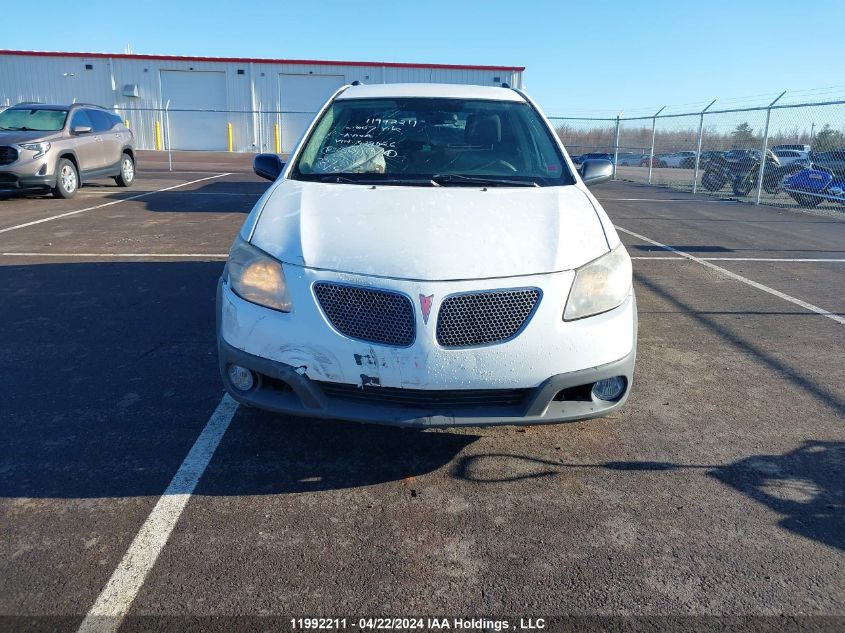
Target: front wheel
{"x": 712, "y": 180}
{"x": 806, "y": 200}
{"x": 67, "y": 179}
{"x": 744, "y": 186}
{"x": 127, "y": 171}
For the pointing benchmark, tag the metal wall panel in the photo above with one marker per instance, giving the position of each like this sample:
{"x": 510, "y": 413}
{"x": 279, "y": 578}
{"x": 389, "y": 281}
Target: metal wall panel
{"x": 254, "y": 104}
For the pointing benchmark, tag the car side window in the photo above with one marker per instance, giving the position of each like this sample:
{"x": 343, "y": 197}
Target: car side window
{"x": 102, "y": 122}
{"x": 80, "y": 118}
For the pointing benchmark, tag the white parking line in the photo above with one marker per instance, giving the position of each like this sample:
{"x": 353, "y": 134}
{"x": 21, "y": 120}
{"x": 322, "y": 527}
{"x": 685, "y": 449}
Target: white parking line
{"x": 108, "y": 204}
{"x": 745, "y": 280}
{"x": 114, "y": 600}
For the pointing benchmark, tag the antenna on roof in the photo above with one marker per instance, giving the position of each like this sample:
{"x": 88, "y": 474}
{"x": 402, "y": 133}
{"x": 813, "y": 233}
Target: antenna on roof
{"x": 505, "y": 84}
{"x": 357, "y": 83}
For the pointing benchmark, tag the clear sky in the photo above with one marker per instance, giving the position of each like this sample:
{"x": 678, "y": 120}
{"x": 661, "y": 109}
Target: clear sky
{"x": 583, "y": 58}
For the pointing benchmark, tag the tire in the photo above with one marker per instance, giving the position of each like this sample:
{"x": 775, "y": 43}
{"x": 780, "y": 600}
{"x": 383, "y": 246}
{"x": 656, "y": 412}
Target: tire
{"x": 806, "y": 200}
{"x": 67, "y": 179}
{"x": 771, "y": 184}
{"x": 773, "y": 181}
{"x": 713, "y": 181}
{"x": 744, "y": 186}
{"x": 127, "y": 171}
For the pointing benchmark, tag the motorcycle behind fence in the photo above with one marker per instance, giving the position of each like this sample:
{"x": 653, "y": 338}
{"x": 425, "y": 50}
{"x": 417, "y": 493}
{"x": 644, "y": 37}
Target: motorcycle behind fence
{"x": 743, "y": 173}
{"x": 811, "y": 187}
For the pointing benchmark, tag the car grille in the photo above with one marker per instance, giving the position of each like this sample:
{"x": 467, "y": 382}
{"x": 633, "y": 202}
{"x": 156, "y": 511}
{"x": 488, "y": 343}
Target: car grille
{"x": 482, "y": 318}
{"x": 376, "y": 316}
{"x": 8, "y": 155}
{"x": 8, "y": 179}
{"x": 424, "y": 398}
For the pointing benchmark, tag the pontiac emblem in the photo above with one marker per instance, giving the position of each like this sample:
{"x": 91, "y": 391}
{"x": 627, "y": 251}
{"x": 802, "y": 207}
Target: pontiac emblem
{"x": 425, "y": 306}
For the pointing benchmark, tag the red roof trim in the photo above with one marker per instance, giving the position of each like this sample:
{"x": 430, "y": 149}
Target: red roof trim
{"x": 258, "y": 60}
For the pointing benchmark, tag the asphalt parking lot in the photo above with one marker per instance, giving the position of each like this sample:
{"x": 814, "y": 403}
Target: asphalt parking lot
{"x": 718, "y": 490}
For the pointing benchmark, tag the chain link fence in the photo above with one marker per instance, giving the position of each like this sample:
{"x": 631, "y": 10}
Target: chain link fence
{"x": 746, "y": 153}
{"x": 679, "y": 150}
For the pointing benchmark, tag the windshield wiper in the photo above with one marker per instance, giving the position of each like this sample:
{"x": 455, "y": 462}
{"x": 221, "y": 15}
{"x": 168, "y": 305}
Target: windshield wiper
{"x": 377, "y": 181}
{"x": 460, "y": 179}
{"x": 337, "y": 178}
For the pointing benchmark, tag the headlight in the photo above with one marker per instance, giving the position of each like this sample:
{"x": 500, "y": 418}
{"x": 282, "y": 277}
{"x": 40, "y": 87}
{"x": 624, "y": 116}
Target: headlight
{"x": 257, "y": 277}
{"x": 39, "y": 148}
{"x": 599, "y": 286}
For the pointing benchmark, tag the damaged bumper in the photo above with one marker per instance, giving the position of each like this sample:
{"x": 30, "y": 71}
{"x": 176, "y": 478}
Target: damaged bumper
{"x": 303, "y": 367}
{"x": 283, "y": 389}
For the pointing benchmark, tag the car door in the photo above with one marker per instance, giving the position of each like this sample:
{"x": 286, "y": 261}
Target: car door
{"x": 110, "y": 140}
{"x": 86, "y": 144}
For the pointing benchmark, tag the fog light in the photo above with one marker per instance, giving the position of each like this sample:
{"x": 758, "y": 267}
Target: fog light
{"x": 609, "y": 388}
{"x": 241, "y": 377}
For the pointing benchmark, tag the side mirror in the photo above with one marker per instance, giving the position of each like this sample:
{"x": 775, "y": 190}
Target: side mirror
{"x": 595, "y": 171}
{"x": 81, "y": 129}
{"x": 268, "y": 166}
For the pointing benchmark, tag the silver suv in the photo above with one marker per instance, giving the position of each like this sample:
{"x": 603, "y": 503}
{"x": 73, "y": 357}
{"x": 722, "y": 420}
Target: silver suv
{"x": 60, "y": 147}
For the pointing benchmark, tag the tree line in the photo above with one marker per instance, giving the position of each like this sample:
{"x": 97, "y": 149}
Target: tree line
{"x": 743, "y": 136}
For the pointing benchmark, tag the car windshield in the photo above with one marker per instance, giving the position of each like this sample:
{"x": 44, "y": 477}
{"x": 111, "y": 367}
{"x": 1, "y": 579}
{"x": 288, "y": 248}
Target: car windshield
{"x": 432, "y": 141}
{"x": 35, "y": 120}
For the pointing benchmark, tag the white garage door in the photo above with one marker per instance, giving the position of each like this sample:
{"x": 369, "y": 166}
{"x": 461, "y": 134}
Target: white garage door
{"x": 196, "y": 90}
{"x": 301, "y": 96}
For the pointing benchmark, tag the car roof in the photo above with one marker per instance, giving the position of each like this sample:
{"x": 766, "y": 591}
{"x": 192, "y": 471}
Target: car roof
{"x": 443, "y": 91}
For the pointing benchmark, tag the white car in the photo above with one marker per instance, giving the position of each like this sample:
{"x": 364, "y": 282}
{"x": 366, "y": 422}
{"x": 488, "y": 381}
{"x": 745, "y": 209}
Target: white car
{"x": 631, "y": 160}
{"x": 790, "y": 156}
{"x": 429, "y": 257}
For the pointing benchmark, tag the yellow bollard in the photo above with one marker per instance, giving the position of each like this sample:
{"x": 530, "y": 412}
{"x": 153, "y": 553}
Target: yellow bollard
{"x": 126, "y": 123}
{"x": 278, "y": 138}
{"x": 229, "y": 133}
{"x": 158, "y": 134}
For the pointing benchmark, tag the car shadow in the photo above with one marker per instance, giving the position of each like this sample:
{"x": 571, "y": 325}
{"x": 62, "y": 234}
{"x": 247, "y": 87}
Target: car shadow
{"x": 263, "y": 453}
{"x": 219, "y": 196}
{"x": 805, "y": 485}
{"x": 110, "y": 374}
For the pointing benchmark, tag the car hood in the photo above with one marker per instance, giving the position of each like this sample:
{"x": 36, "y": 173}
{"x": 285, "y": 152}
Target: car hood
{"x": 430, "y": 233}
{"x": 12, "y": 137}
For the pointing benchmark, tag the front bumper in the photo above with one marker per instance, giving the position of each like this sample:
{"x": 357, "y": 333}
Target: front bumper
{"x": 11, "y": 180}
{"x": 305, "y": 368}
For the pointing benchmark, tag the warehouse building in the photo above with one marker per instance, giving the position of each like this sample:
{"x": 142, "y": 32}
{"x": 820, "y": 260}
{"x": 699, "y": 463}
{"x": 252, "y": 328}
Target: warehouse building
{"x": 212, "y": 103}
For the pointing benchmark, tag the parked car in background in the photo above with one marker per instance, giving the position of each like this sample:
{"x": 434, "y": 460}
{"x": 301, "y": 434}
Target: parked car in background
{"x": 833, "y": 161}
{"x": 707, "y": 156}
{"x": 680, "y": 159}
{"x": 329, "y": 319}
{"x": 60, "y": 147}
{"x": 797, "y": 147}
{"x": 790, "y": 156}
{"x": 576, "y": 158}
{"x": 597, "y": 156}
{"x": 631, "y": 159}
{"x": 656, "y": 161}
